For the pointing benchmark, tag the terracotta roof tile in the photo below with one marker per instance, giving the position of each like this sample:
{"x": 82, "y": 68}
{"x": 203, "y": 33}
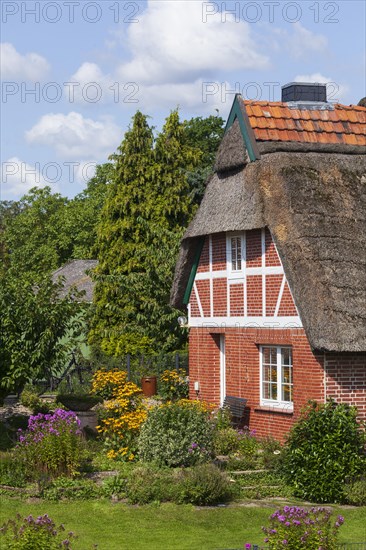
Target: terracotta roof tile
{"x": 276, "y": 121}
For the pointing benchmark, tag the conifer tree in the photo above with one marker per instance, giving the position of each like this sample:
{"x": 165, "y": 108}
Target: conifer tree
{"x": 146, "y": 211}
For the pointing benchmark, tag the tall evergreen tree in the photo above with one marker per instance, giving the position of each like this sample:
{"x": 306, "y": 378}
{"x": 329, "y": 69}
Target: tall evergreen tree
{"x": 138, "y": 238}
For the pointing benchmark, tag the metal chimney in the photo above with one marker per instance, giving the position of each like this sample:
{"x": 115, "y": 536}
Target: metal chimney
{"x": 304, "y": 91}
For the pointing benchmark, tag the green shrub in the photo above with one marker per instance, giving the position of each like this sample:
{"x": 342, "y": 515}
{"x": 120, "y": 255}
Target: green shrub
{"x": 115, "y": 487}
{"x": 176, "y": 434}
{"x": 12, "y": 471}
{"x": 300, "y": 528}
{"x": 324, "y": 448}
{"x": 31, "y": 533}
{"x": 148, "y": 484}
{"x": 65, "y": 488}
{"x": 29, "y": 398}
{"x": 225, "y": 441}
{"x": 203, "y": 485}
{"x": 355, "y": 492}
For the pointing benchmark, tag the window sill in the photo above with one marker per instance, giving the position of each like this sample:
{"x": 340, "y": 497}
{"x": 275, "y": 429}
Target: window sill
{"x": 274, "y": 409}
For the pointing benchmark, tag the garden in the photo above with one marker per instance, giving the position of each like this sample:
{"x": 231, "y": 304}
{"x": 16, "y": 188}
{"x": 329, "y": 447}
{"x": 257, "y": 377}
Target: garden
{"x": 161, "y": 471}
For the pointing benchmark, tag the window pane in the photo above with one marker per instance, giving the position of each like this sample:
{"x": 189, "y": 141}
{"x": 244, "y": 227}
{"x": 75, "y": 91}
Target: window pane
{"x": 236, "y": 256}
{"x": 286, "y": 374}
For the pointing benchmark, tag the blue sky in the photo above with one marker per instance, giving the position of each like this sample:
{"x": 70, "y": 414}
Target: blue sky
{"x": 74, "y": 72}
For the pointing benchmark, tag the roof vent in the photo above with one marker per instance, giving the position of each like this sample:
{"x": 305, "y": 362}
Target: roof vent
{"x": 304, "y": 91}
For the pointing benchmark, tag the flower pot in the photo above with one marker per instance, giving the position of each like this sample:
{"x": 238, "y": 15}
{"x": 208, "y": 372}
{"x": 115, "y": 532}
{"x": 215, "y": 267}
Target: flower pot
{"x": 148, "y": 385}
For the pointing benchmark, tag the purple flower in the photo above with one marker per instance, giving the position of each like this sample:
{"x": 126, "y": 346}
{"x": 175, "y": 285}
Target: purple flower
{"x": 284, "y": 542}
{"x": 248, "y": 546}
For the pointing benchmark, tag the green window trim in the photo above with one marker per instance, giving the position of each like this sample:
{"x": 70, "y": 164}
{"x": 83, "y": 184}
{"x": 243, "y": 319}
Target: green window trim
{"x": 192, "y": 275}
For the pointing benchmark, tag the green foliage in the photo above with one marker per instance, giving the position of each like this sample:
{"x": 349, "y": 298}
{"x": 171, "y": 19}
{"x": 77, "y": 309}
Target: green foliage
{"x": 12, "y": 472}
{"x": 142, "y": 222}
{"x": 148, "y": 484}
{"x": 176, "y": 434}
{"x": 299, "y": 528}
{"x": 37, "y": 236}
{"x": 355, "y": 492}
{"x": 324, "y": 448}
{"x": 204, "y": 134}
{"x": 34, "y": 322}
{"x": 29, "y": 398}
{"x": 115, "y": 487}
{"x": 226, "y": 441}
{"x": 204, "y": 485}
{"x": 31, "y": 533}
{"x": 65, "y": 488}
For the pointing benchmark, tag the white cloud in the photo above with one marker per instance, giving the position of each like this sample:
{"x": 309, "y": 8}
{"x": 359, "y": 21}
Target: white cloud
{"x": 74, "y": 137}
{"x": 89, "y": 85}
{"x": 304, "y": 42}
{"x": 202, "y": 96}
{"x": 335, "y": 91}
{"x": 173, "y": 44}
{"x": 30, "y": 66}
{"x": 18, "y": 177}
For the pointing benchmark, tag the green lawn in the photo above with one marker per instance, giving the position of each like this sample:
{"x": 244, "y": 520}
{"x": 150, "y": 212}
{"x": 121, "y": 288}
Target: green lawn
{"x": 166, "y": 527}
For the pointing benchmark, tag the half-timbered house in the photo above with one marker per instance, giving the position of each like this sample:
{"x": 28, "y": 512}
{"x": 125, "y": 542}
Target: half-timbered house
{"x": 272, "y": 269}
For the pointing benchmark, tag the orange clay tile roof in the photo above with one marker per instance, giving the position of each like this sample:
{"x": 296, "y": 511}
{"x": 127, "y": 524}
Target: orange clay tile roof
{"x": 276, "y": 121}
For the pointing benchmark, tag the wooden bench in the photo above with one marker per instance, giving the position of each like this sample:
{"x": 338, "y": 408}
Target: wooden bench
{"x": 236, "y": 406}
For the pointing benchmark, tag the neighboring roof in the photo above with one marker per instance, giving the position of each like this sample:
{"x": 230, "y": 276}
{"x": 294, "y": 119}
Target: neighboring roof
{"x": 75, "y": 274}
{"x": 312, "y": 197}
{"x": 327, "y": 123}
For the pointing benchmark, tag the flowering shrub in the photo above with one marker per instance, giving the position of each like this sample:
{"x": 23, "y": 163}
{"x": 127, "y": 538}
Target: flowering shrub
{"x": 122, "y": 415}
{"x": 299, "y": 528}
{"x": 176, "y": 434}
{"x": 51, "y": 445}
{"x": 34, "y": 533}
{"x": 173, "y": 384}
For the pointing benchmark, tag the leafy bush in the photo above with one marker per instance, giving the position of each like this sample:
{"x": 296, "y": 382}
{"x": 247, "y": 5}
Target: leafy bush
{"x": 203, "y": 485}
{"x": 115, "y": 486}
{"x": 34, "y": 533}
{"x": 51, "y": 446}
{"x": 173, "y": 385}
{"x": 355, "y": 492}
{"x": 12, "y": 471}
{"x": 176, "y": 434}
{"x": 226, "y": 441}
{"x": 122, "y": 414}
{"x": 148, "y": 484}
{"x": 324, "y": 448}
{"x": 299, "y": 528}
{"x": 71, "y": 489}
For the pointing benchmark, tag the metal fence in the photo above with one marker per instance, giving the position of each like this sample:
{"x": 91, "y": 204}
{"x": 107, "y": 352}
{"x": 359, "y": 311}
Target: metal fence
{"x": 79, "y": 372}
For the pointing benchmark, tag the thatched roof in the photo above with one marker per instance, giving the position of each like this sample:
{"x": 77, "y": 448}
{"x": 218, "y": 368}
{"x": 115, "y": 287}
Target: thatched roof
{"x": 315, "y": 207}
{"x": 75, "y": 274}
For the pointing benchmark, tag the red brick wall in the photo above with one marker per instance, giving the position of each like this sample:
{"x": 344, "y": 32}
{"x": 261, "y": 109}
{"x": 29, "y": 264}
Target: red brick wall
{"x": 204, "y": 263}
{"x": 253, "y": 292}
{"x": 346, "y": 379}
{"x": 218, "y": 251}
{"x": 254, "y": 295}
{"x": 271, "y": 256}
{"x": 254, "y": 248}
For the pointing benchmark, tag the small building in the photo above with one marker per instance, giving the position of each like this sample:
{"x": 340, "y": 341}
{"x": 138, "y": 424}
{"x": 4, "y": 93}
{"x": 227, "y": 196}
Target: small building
{"x": 272, "y": 268}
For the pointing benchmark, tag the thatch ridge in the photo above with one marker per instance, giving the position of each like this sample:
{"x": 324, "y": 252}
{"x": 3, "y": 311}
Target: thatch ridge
{"x": 232, "y": 153}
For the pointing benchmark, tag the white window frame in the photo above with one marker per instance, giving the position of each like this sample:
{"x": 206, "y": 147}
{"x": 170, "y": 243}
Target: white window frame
{"x": 276, "y": 403}
{"x": 230, "y": 269}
